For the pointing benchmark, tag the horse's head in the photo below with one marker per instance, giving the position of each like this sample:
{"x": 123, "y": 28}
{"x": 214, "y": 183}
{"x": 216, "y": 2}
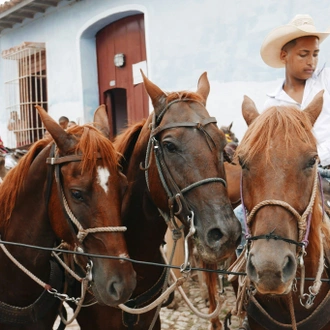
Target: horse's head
{"x": 185, "y": 168}
{"x": 278, "y": 156}
{"x": 85, "y": 205}
{"x": 230, "y": 135}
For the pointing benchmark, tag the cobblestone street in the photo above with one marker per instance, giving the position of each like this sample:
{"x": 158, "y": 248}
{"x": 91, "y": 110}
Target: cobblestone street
{"x": 181, "y": 317}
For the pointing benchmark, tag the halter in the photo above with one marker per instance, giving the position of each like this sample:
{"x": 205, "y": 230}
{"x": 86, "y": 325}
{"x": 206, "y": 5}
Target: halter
{"x": 82, "y": 233}
{"x": 174, "y": 193}
{"x": 304, "y": 223}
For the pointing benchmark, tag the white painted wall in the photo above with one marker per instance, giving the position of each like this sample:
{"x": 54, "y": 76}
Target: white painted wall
{"x": 184, "y": 38}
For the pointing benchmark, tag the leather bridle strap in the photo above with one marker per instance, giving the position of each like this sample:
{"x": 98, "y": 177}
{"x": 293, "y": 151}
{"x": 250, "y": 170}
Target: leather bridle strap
{"x": 198, "y": 125}
{"x": 15, "y": 315}
{"x": 175, "y": 194}
{"x": 319, "y": 318}
{"x": 130, "y": 320}
{"x": 66, "y": 159}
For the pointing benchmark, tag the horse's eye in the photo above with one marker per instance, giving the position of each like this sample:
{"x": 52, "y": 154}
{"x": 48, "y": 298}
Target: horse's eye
{"x": 76, "y": 194}
{"x": 312, "y": 162}
{"x": 169, "y": 146}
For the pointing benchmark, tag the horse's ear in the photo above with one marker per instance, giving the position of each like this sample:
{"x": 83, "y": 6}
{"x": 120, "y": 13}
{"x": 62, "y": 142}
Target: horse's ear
{"x": 203, "y": 86}
{"x": 101, "y": 121}
{"x": 315, "y": 107}
{"x": 230, "y": 126}
{"x": 249, "y": 110}
{"x": 156, "y": 95}
{"x": 62, "y": 139}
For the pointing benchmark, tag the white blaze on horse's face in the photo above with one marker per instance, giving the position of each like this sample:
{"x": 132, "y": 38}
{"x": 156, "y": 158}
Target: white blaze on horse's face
{"x": 103, "y": 177}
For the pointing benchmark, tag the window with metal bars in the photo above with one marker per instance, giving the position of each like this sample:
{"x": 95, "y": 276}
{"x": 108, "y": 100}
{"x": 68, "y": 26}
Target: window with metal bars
{"x": 25, "y": 86}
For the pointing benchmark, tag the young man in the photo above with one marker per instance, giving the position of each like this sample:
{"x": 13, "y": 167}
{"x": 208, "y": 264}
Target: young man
{"x": 295, "y": 46}
{"x": 63, "y": 122}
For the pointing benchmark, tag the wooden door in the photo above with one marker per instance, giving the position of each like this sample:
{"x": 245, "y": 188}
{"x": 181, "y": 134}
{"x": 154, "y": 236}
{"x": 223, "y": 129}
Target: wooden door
{"x": 126, "y": 102}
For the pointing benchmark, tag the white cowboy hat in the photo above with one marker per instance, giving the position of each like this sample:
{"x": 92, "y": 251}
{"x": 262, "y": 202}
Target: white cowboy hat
{"x": 300, "y": 26}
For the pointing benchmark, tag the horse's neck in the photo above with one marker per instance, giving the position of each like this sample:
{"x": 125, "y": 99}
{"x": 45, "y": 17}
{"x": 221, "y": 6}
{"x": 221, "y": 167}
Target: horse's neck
{"x": 146, "y": 227}
{"x": 29, "y": 222}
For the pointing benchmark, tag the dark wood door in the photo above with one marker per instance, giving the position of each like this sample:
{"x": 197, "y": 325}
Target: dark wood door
{"x": 125, "y": 36}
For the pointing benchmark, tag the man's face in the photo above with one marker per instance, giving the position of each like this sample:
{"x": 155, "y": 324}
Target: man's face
{"x": 63, "y": 124}
{"x": 301, "y": 59}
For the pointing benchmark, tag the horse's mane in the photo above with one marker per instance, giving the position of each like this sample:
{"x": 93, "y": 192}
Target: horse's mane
{"x": 91, "y": 142}
{"x": 124, "y": 142}
{"x": 320, "y": 228}
{"x": 289, "y": 122}
{"x": 14, "y": 180}
{"x": 171, "y": 96}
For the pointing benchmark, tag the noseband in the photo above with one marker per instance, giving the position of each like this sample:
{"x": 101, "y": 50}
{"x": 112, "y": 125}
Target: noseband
{"x": 304, "y": 220}
{"x": 174, "y": 193}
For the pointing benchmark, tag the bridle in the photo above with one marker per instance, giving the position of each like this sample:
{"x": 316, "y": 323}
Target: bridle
{"x": 175, "y": 195}
{"x": 80, "y": 233}
{"x": 304, "y": 223}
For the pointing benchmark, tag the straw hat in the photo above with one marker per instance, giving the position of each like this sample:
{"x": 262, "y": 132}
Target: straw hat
{"x": 300, "y": 26}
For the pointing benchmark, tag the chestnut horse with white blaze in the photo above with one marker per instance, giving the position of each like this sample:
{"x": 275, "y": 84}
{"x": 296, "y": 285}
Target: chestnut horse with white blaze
{"x": 67, "y": 189}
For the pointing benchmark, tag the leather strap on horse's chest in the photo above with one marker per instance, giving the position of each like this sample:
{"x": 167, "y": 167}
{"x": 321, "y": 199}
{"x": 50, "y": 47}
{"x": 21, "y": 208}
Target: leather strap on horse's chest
{"x": 14, "y": 315}
{"x": 130, "y": 320}
{"x": 319, "y": 318}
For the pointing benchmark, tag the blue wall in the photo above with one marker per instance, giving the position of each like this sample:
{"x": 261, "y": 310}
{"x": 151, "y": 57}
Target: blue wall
{"x": 183, "y": 39}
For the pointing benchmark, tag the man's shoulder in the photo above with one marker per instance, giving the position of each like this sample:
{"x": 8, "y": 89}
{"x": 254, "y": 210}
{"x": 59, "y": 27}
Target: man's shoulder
{"x": 323, "y": 72}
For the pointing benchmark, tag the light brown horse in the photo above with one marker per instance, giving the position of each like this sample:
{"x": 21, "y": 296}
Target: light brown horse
{"x": 287, "y": 233}
{"x": 174, "y": 164}
{"x": 67, "y": 190}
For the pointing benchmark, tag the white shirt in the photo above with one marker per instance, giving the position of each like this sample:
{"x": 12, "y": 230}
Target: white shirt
{"x": 320, "y": 80}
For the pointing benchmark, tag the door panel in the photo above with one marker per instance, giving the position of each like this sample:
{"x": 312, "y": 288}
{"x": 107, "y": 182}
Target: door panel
{"x": 123, "y": 36}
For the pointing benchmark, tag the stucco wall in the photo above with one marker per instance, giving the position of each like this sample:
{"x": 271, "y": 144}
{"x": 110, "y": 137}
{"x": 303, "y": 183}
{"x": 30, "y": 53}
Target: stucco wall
{"x": 183, "y": 38}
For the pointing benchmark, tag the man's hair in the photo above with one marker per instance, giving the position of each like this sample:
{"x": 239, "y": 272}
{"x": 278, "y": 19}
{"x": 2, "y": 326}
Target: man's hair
{"x": 289, "y": 45}
{"x": 63, "y": 118}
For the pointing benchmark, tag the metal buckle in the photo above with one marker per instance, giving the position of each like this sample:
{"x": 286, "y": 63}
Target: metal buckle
{"x": 186, "y": 267}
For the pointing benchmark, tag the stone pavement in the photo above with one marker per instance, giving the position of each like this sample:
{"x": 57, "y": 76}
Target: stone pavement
{"x": 181, "y": 317}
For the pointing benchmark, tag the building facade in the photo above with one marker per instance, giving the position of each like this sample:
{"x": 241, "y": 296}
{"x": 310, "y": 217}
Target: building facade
{"x": 72, "y": 55}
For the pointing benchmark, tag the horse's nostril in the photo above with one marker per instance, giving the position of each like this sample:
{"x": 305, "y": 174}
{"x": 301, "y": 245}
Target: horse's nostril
{"x": 115, "y": 290}
{"x": 289, "y": 267}
{"x": 251, "y": 270}
{"x": 214, "y": 235}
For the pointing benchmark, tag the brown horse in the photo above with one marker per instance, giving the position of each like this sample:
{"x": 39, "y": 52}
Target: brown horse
{"x": 68, "y": 192}
{"x": 174, "y": 165}
{"x": 288, "y": 235}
